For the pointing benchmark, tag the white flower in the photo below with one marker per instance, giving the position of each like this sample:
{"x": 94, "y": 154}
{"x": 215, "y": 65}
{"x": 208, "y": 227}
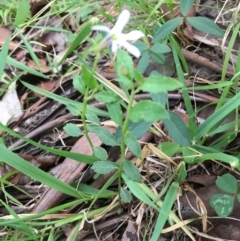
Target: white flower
{"x": 119, "y": 39}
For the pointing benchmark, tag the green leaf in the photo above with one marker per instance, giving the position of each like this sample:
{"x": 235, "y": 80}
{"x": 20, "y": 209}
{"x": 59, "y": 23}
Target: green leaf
{"x": 143, "y": 62}
{"x": 125, "y": 195}
{"x": 90, "y": 116}
{"x": 222, "y": 204}
{"x": 138, "y": 77}
{"x": 169, "y": 148}
{"x": 125, "y": 83}
{"x": 141, "y": 46}
{"x": 23, "y": 8}
{"x": 115, "y": 112}
{"x": 100, "y": 153}
{"x": 227, "y": 183}
{"x": 72, "y": 130}
{"x": 105, "y": 135}
{"x": 74, "y": 110}
{"x": 177, "y": 129}
{"x": 133, "y": 145}
{"x": 185, "y": 6}
{"x": 158, "y": 58}
{"x": 88, "y": 78}
{"x": 107, "y": 96}
{"x": 157, "y": 84}
{"x": 182, "y": 173}
{"x": 167, "y": 28}
{"x": 148, "y": 111}
{"x": 189, "y": 155}
{"x": 160, "y": 48}
{"x": 103, "y": 167}
{"x": 165, "y": 211}
{"x": 30, "y": 170}
{"x": 206, "y": 25}
{"x": 79, "y": 84}
{"x": 131, "y": 171}
{"x": 137, "y": 129}
{"x": 160, "y": 98}
{"x": 124, "y": 65}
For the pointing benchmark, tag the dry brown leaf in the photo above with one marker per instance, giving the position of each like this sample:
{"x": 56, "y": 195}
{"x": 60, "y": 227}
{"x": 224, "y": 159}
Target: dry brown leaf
{"x": 46, "y": 85}
{"x": 71, "y": 23}
{"x": 53, "y": 39}
{"x": 188, "y": 31}
{"x": 202, "y": 179}
{"x": 130, "y": 232}
{"x": 4, "y": 33}
{"x": 42, "y": 62}
{"x": 37, "y": 5}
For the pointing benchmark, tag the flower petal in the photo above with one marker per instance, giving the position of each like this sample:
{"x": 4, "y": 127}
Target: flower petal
{"x": 133, "y": 35}
{"x": 131, "y": 49}
{"x": 101, "y": 28}
{"x": 122, "y": 20}
{"x": 114, "y": 46}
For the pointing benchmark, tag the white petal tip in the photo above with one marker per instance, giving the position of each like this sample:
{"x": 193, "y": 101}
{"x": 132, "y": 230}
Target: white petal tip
{"x": 134, "y": 35}
{"x": 100, "y": 28}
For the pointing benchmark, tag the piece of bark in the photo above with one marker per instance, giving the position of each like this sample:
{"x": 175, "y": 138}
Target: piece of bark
{"x": 195, "y": 58}
{"x": 70, "y": 171}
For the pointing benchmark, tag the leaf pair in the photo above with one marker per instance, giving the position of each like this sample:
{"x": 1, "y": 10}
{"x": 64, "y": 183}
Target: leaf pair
{"x": 223, "y": 204}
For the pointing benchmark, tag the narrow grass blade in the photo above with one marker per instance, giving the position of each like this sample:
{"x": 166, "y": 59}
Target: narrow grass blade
{"x": 159, "y": 202}
{"x": 22, "y": 225}
{"x": 77, "y": 41}
{"x": 231, "y": 160}
{"x": 72, "y": 155}
{"x": 28, "y": 169}
{"x": 217, "y": 116}
{"x": 23, "y": 67}
{"x": 29, "y": 49}
{"x": 3, "y": 56}
{"x": 137, "y": 192}
{"x": 65, "y": 101}
{"x": 165, "y": 211}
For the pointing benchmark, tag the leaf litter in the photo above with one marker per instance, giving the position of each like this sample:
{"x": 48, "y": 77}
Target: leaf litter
{"x": 43, "y": 120}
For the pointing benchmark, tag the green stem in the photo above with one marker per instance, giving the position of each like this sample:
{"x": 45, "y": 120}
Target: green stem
{"x": 124, "y": 132}
{"x": 83, "y": 114}
{"x": 85, "y": 101}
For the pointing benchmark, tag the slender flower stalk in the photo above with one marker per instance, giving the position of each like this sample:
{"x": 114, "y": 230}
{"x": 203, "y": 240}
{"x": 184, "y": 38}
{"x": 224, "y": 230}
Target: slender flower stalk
{"x": 116, "y": 38}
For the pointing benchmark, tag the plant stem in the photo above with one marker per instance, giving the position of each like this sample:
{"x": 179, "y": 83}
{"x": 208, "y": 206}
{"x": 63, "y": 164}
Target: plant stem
{"x": 124, "y": 132}
{"x": 85, "y": 101}
{"x": 83, "y": 114}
